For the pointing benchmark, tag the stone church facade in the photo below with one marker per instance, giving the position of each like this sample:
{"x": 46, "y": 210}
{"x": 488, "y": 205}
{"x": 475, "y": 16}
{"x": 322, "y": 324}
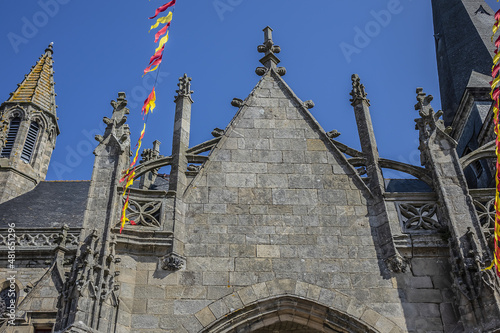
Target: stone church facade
{"x": 271, "y": 226}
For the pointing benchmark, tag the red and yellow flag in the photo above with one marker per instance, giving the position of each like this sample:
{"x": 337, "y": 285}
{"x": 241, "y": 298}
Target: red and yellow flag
{"x": 495, "y": 95}
{"x": 163, "y": 8}
{"x": 161, "y": 32}
{"x": 163, "y": 20}
{"x": 149, "y": 103}
{"x": 155, "y": 63}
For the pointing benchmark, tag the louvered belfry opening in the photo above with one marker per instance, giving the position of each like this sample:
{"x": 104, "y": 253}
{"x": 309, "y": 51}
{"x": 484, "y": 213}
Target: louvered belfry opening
{"x": 11, "y": 136}
{"x": 29, "y": 145}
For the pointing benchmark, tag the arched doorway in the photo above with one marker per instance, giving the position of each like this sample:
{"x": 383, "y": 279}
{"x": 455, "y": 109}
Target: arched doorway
{"x": 288, "y": 314}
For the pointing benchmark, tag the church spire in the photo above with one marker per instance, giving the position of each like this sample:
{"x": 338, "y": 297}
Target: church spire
{"x": 461, "y": 48}
{"x": 38, "y": 85}
{"x": 28, "y": 130}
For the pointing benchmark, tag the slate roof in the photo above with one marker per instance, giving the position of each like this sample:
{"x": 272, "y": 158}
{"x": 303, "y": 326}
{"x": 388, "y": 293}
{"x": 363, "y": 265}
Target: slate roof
{"x": 406, "y": 185}
{"x": 461, "y": 25}
{"x": 49, "y": 205}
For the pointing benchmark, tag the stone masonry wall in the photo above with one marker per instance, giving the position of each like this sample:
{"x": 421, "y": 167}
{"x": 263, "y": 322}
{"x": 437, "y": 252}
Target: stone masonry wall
{"x": 277, "y": 208}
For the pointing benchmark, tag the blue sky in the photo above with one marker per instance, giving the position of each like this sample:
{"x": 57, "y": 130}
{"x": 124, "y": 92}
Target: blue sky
{"x": 102, "y": 47}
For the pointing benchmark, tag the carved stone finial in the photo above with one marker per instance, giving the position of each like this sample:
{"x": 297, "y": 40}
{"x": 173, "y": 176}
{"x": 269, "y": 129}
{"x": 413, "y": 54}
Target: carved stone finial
{"x": 424, "y": 103}
{"x": 156, "y": 145}
{"x": 49, "y": 49}
{"x": 427, "y": 114}
{"x": 358, "y": 92}
{"x": 184, "y": 87}
{"x": 270, "y": 60}
{"x": 397, "y": 264}
{"x": 120, "y": 104}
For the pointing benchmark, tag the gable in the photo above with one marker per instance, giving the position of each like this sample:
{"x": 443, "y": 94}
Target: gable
{"x": 274, "y": 142}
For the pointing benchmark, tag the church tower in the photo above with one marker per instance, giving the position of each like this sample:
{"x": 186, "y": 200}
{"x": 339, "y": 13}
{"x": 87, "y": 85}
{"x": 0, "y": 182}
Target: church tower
{"x": 464, "y": 51}
{"x": 28, "y": 130}
{"x": 461, "y": 25}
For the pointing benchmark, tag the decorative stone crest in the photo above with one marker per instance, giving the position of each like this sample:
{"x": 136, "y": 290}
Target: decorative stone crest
{"x": 173, "y": 262}
{"x": 419, "y": 217}
{"x": 397, "y": 263}
{"x": 146, "y": 213}
{"x": 358, "y": 92}
{"x": 486, "y": 213}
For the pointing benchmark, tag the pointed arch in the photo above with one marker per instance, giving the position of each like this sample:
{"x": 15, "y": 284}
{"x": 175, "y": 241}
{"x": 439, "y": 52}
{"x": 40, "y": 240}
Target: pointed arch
{"x": 16, "y": 111}
{"x": 10, "y": 139}
{"x": 285, "y": 302}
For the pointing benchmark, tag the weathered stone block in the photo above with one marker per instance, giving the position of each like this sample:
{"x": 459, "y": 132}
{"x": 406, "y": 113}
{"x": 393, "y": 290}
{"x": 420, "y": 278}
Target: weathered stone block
{"x": 144, "y": 321}
{"x": 268, "y": 251}
{"x": 187, "y": 307}
{"x": 253, "y": 265}
{"x": 423, "y": 296}
{"x": 215, "y": 278}
{"x": 205, "y": 316}
{"x": 240, "y": 180}
{"x": 315, "y": 145}
{"x": 233, "y": 302}
{"x": 247, "y": 295}
{"x": 218, "y": 308}
{"x": 160, "y": 306}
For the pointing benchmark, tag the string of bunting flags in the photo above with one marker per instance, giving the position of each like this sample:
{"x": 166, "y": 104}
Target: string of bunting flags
{"x": 150, "y": 102}
{"x": 495, "y": 95}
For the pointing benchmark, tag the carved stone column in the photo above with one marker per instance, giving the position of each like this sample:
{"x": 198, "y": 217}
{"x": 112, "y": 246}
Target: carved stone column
{"x": 388, "y": 252}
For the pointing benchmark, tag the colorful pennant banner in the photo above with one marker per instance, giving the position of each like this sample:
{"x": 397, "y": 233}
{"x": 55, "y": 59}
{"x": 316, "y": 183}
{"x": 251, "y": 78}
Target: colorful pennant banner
{"x": 149, "y": 103}
{"x": 495, "y": 95}
{"x": 164, "y": 19}
{"x": 163, "y": 8}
